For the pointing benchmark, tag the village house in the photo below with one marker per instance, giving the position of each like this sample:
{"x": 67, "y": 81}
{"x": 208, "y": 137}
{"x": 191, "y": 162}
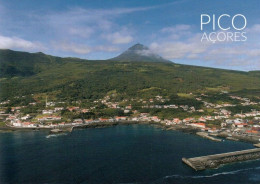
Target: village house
{"x": 198, "y": 125}
{"x": 144, "y": 118}
{"x": 49, "y": 118}
{"x": 120, "y": 118}
{"x": 202, "y": 119}
{"x": 47, "y": 111}
{"x": 168, "y": 122}
{"x": 111, "y": 120}
{"x": 16, "y": 123}
{"x": 187, "y": 120}
{"x": 172, "y": 106}
{"x": 103, "y": 119}
{"x": 223, "y": 124}
{"x": 135, "y": 119}
{"x": 5, "y": 102}
{"x": 28, "y": 124}
{"x": 50, "y": 103}
{"x": 252, "y": 132}
{"x": 155, "y": 119}
{"x": 15, "y": 108}
{"x": 239, "y": 125}
{"x": 77, "y": 121}
{"x": 56, "y": 109}
{"x": 218, "y": 106}
{"x": 221, "y": 117}
{"x": 251, "y": 114}
{"x": 88, "y": 121}
{"x": 61, "y": 124}
{"x": 210, "y": 118}
{"x": 240, "y": 115}
{"x": 26, "y": 117}
{"x": 177, "y": 121}
{"x": 184, "y": 107}
{"x": 225, "y": 112}
{"x": 84, "y": 110}
{"x": 73, "y": 108}
{"x": 144, "y": 114}
{"x": 212, "y": 130}
{"x": 126, "y": 111}
{"x": 228, "y": 105}
{"x": 11, "y": 117}
{"x": 129, "y": 107}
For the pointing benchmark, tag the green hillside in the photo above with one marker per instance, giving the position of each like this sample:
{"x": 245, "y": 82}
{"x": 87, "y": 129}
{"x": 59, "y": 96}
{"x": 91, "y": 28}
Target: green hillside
{"x": 13, "y": 63}
{"x": 72, "y": 79}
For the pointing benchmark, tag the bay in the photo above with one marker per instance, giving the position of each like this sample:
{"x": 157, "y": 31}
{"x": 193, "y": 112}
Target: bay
{"x": 119, "y": 154}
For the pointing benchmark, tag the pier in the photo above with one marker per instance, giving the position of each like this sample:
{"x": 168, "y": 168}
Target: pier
{"x": 205, "y": 135}
{"x": 214, "y": 161}
{"x": 257, "y": 145}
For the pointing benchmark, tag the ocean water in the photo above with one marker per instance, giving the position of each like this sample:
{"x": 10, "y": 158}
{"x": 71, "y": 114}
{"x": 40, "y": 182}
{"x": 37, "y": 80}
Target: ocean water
{"x": 120, "y": 154}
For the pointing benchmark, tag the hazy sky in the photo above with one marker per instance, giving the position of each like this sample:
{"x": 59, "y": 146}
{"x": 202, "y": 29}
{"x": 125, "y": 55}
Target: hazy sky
{"x": 102, "y": 29}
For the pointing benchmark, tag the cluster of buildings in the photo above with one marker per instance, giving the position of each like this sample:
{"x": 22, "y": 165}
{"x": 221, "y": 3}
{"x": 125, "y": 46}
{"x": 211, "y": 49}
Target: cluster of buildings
{"x": 51, "y": 116}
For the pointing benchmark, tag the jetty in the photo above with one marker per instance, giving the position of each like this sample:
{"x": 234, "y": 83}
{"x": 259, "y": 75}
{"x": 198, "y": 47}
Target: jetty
{"x": 205, "y": 135}
{"x": 214, "y": 161}
{"x": 257, "y": 145}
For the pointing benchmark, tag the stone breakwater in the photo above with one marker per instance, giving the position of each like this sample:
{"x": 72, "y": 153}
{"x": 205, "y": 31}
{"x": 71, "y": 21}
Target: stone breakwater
{"x": 214, "y": 161}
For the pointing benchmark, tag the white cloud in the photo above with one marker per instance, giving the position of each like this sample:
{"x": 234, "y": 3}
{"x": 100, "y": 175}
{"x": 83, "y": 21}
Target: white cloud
{"x": 98, "y": 19}
{"x": 177, "y": 28}
{"x": 18, "y": 43}
{"x": 177, "y": 31}
{"x": 254, "y": 29}
{"x": 106, "y": 48}
{"x": 75, "y": 25}
{"x": 230, "y": 54}
{"x": 118, "y": 38}
{"x": 75, "y": 48}
{"x": 82, "y": 48}
{"x": 179, "y": 49}
{"x": 97, "y": 27}
{"x": 84, "y": 32}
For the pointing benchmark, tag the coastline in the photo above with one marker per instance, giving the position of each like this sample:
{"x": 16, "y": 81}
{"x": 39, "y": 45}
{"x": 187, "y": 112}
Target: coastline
{"x": 181, "y": 128}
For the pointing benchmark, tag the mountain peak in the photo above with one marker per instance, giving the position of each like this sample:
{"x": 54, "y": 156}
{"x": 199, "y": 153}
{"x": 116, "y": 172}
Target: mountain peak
{"x": 139, "y": 52}
{"x": 138, "y": 46}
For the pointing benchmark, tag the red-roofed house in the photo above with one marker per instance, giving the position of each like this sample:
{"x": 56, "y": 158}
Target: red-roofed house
{"x": 118, "y": 118}
{"x": 177, "y": 120}
{"x": 239, "y": 125}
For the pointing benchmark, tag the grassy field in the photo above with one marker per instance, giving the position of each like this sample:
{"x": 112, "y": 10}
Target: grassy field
{"x": 2, "y": 124}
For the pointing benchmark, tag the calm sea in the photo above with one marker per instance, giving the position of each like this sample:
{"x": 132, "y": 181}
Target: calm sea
{"x": 120, "y": 154}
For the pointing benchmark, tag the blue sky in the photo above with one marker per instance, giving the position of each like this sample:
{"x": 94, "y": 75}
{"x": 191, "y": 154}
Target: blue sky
{"x": 102, "y": 29}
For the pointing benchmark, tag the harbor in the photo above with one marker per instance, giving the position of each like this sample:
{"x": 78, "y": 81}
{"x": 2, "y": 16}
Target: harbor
{"x": 216, "y": 160}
